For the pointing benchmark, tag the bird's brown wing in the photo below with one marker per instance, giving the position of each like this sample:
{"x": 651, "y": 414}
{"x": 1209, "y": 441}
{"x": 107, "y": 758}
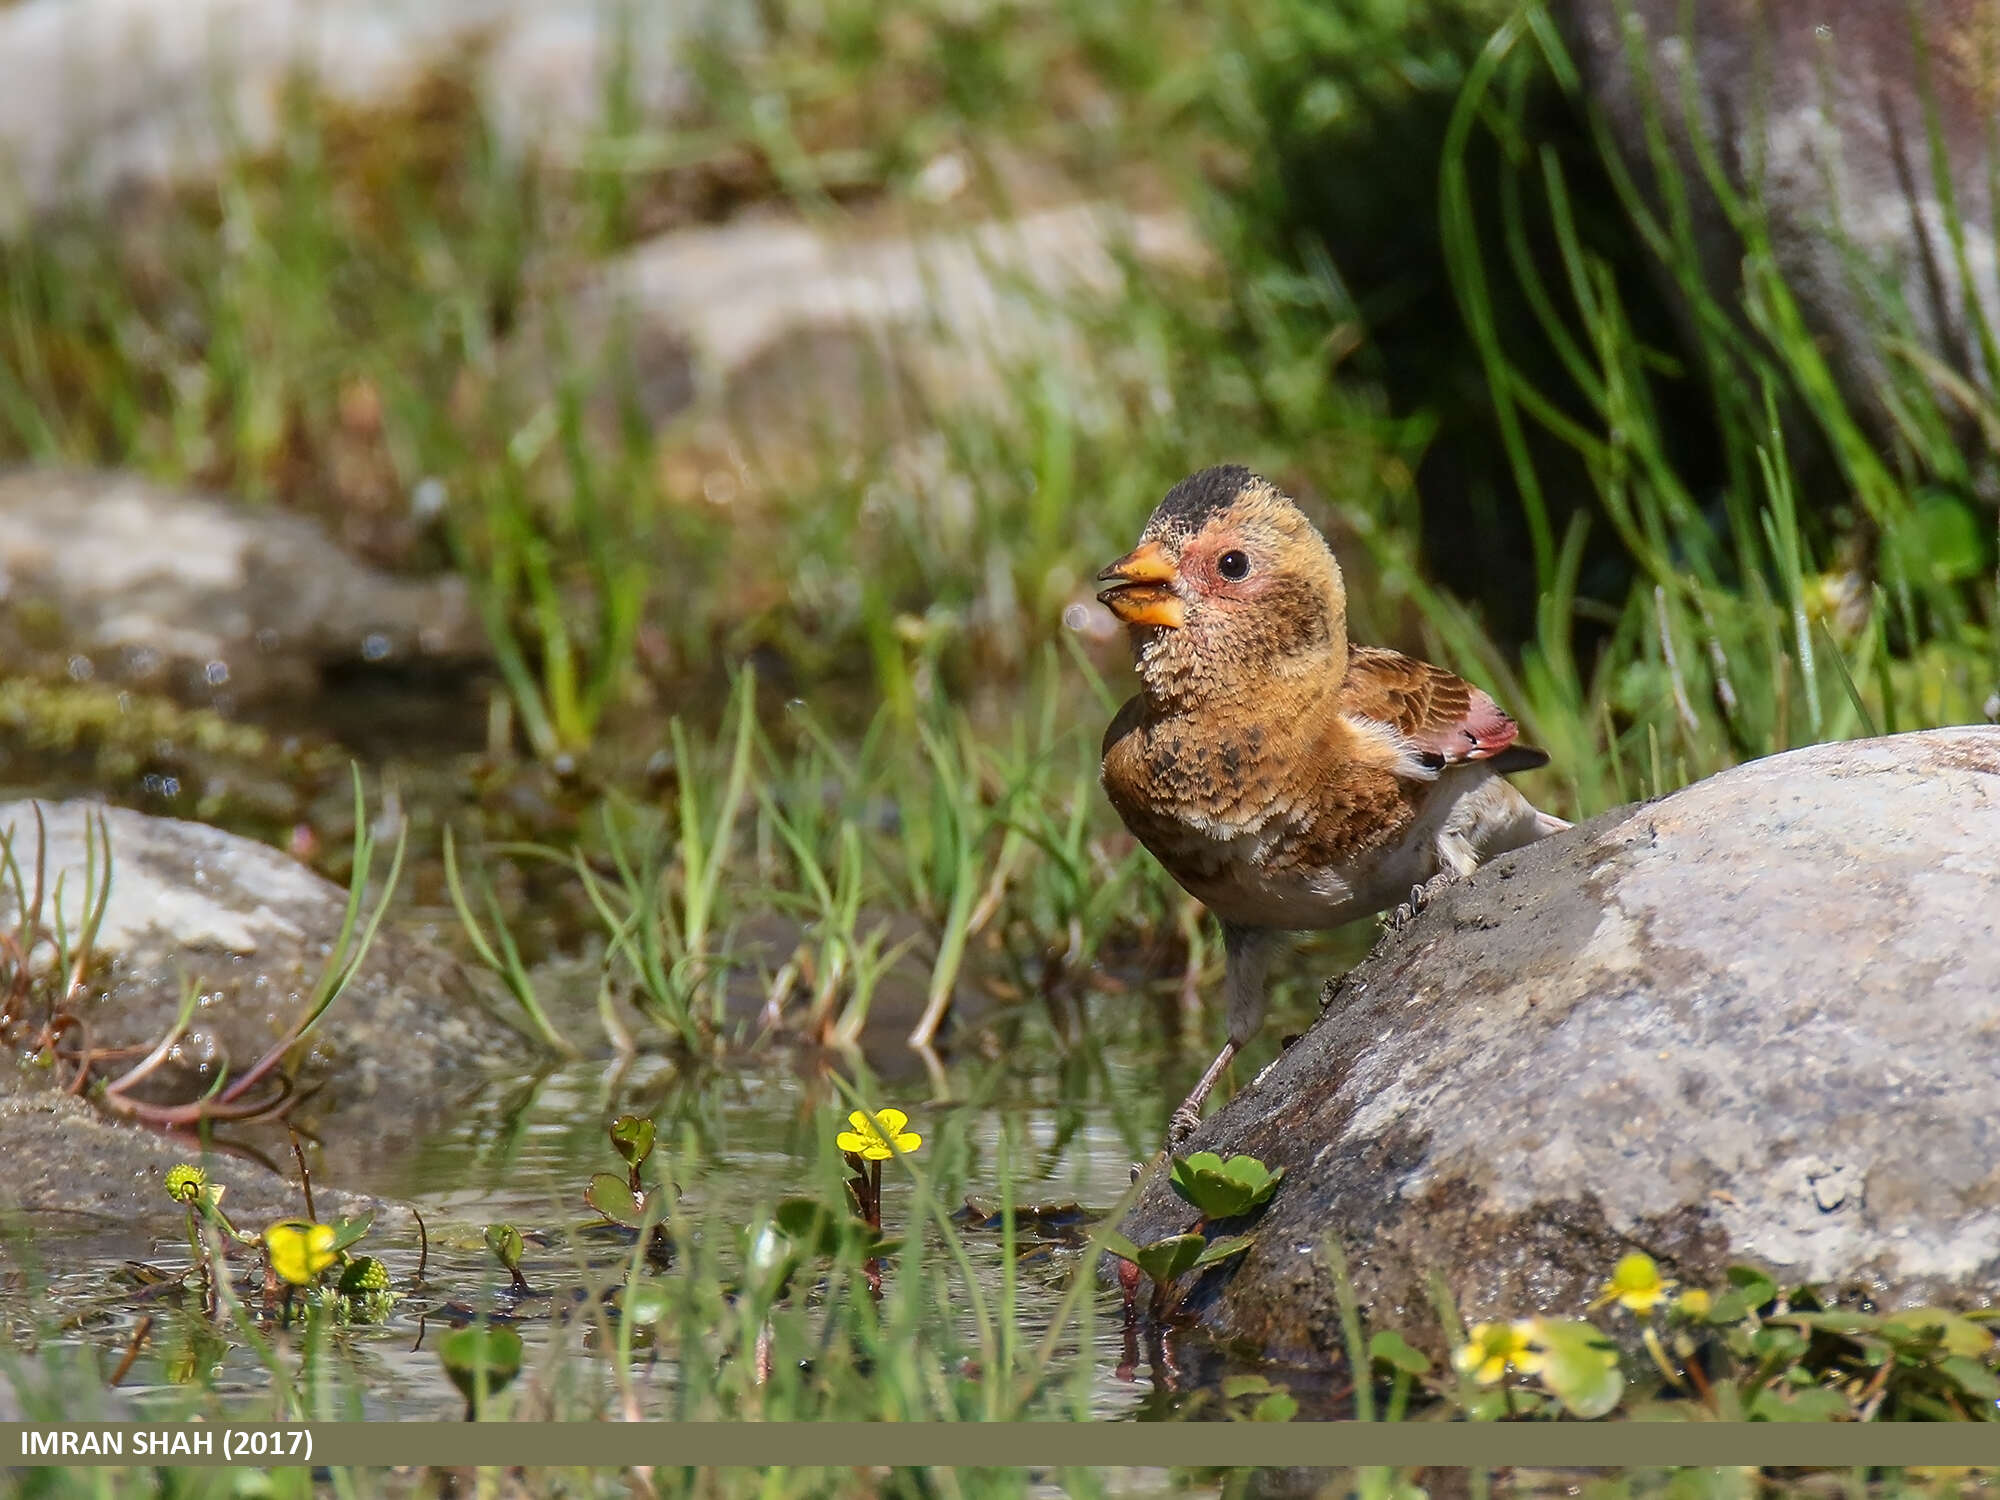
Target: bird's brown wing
{"x": 1445, "y": 719}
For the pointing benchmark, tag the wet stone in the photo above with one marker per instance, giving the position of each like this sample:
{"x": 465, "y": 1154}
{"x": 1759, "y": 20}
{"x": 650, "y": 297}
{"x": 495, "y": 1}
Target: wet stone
{"x": 82, "y": 1176}
{"x": 109, "y": 578}
{"x": 249, "y": 928}
{"x": 1754, "y": 1021}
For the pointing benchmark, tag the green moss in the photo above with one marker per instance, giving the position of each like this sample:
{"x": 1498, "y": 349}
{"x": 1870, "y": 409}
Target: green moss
{"x": 86, "y": 734}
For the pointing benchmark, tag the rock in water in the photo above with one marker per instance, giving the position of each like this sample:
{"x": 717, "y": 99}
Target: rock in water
{"x": 86, "y": 1180}
{"x": 1757, "y": 1020}
{"x": 250, "y": 928}
{"x": 107, "y": 575}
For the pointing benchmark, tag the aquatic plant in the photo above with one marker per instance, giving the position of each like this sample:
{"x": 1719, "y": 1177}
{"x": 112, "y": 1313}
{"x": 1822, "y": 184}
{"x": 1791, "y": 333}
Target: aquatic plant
{"x": 1165, "y": 1261}
{"x": 300, "y": 1251}
{"x": 1745, "y": 1351}
{"x": 297, "y": 1254}
{"x": 355, "y": 313}
{"x": 232, "y": 1098}
{"x": 629, "y": 1201}
{"x": 505, "y": 1241}
{"x": 1490, "y": 1350}
{"x": 1223, "y": 1189}
{"x": 1636, "y": 1284}
{"x": 482, "y": 1361}
{"x": 878, "y": 1135}
{"x": 873, "y": 1137}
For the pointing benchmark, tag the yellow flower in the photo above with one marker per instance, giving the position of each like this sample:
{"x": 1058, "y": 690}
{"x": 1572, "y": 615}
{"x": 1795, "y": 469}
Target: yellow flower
{"x": 1694, "y": 1303}
{"x": 300, "y": 1249}
{"x": 1636, "y": 1284}
{"x": 1491, "y": 1347}
{"x": 878, "y": 1136}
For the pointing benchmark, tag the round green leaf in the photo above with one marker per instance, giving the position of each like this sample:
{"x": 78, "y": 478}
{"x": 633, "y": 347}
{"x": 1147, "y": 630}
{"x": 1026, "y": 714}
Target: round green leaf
{"x": 348, "y": 1232}
{"x": 612, "y": 1196}
{"x": 645, "y": 1303}
{"x": 481, "y": 1360}
{"x": 1816, "y": 1404}
{"x": 504, "y": 1240}
{"x": 1166, "y": 1260}
{"x": 1217, "y": 1251}
{"x": 1956, "y": 1334}
{"x": 1579, "y": 1366}
{"x": 1279, "y": 1406}
{"x": 1392, "y": 1349}
{"x": 1222, "y": 1190}
{"x": 632, "y": 1137}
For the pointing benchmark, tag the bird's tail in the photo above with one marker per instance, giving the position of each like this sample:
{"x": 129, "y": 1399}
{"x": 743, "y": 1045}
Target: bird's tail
{"x": 1510, "y": 821}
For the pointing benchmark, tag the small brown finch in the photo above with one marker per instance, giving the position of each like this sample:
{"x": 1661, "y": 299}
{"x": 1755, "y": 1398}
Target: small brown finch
{"x": 1287, "y": 779}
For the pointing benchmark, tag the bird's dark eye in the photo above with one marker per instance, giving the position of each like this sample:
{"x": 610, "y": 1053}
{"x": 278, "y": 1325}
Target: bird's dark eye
{"x": 1233, "y": 565}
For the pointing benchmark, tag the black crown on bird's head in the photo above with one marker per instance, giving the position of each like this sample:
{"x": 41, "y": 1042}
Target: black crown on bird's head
{"x": 1190, "y": 505}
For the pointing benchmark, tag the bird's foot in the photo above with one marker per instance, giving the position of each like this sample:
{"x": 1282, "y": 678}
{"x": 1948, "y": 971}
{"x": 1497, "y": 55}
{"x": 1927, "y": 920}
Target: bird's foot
{"x": 1421, "y": 896}
{"x": 1181, "y": 1123}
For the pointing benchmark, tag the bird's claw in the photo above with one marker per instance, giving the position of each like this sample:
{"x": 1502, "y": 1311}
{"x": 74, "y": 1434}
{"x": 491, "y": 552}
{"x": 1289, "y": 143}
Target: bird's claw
{"x": 1180, "y": 1125}
{"x": 1405, "y": 914}
{"x": 1420, "y": 897}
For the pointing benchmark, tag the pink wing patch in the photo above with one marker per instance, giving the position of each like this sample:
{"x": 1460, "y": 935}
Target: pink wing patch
{"x": 1481, "y": 733}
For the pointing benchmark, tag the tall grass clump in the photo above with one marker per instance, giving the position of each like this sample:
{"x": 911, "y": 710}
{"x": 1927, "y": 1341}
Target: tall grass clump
{"x": 1752, "y": 624}
{"x": 963, "y": 859}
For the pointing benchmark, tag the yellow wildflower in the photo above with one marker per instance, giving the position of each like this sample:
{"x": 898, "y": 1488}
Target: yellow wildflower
{"x": 300, "y": 1249}
{"x": 879, "y": 1135}
{"x": 1694, "y": 1303}
{"x": 1636, "y": 1284}
{"x": 1490, "y": 1348}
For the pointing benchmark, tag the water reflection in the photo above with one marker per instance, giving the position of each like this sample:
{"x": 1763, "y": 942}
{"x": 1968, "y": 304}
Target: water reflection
{"x": 1058, "y": 1103}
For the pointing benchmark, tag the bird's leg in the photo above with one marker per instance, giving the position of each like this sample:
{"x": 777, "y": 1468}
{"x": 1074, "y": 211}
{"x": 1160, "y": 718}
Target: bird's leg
{"x": 1184, "y": 1120}
{"x": 1246, "y": 957}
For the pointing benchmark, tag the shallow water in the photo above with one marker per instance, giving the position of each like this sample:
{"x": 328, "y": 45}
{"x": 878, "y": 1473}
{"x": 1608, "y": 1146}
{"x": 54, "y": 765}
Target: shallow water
{"x": 742, "y": 1134}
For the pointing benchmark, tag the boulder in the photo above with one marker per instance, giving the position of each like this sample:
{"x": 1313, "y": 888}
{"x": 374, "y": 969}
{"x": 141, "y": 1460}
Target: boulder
{"x": 250, "y": 928}
{"x": 803, "y": 328}
{"x": 84, "y": 1177}
{"x": 111, "y": 95}
{"x": 1822, "y": 111}
{"x": 1756, "y": 1020}
{"x": 107, "y": 576}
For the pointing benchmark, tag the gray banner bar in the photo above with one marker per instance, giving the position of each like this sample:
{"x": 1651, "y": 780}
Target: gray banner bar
{"x": 1032, "y": 1444}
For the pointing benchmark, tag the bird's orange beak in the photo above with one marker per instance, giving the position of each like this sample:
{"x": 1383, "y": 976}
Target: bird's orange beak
{"x": 1142, "y": 588}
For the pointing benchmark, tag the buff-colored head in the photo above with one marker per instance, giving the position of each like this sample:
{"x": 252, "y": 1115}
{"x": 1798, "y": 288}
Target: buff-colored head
{"x": 1231, "y": 591}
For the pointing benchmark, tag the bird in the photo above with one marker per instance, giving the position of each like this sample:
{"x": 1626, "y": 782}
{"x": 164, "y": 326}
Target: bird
{"x": 1286, "y": 778}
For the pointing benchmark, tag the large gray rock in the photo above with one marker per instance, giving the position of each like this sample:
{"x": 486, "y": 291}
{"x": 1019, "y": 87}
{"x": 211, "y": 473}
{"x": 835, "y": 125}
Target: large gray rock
{"x": 1756, "y": 1020}
{"x": 250, "y": 928}
{"x": 1820, "y": 110}
{"x": 106, "y": 95}
{"x": 107, "y": 575}
{"x": 78, "y": 1173}
{"x": 801, "y": 328}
